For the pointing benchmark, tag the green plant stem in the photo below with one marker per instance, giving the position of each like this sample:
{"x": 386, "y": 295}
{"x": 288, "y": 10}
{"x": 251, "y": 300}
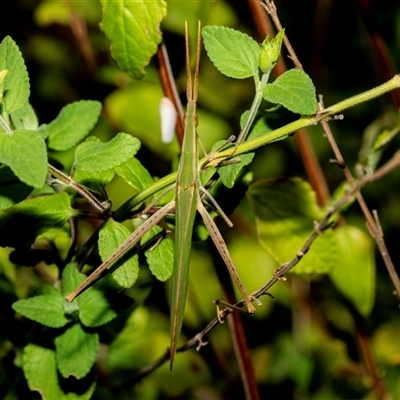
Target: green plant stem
{"x": 253, "y": 109}
{"x": 388, "y": 86}
{"x": 252, "y": 144}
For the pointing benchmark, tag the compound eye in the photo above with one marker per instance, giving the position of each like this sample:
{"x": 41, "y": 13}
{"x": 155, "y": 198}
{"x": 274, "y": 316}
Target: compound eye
{"x": 196, "y": 120}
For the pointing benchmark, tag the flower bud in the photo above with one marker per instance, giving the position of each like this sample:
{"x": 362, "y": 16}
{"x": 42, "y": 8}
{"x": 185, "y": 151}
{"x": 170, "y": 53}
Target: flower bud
{"x": 270, "y": 51}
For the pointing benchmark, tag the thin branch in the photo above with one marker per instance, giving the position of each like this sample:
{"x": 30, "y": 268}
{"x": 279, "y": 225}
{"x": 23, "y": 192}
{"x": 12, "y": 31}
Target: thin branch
{"x": 373, "y": 224}
{"x": 103, "y": 207}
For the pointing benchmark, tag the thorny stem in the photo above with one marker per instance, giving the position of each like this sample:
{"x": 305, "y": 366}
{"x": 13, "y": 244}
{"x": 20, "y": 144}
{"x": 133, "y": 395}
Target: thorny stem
{"x": 197, "y": 340}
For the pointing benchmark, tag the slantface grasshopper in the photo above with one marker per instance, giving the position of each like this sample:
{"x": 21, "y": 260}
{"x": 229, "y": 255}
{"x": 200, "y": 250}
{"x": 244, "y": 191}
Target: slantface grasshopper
{"x": 188, "y": 199}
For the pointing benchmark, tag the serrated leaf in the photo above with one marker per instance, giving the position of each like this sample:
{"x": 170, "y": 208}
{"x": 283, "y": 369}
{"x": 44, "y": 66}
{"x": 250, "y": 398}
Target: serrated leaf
{"x": 96, "y": 180}
{"x": 76, "y": 351}
{"x": 133, "y": 28}
{"x": 161, "y": 257}
{"x": 74, "y": 122}
{"x": 23, "y": 222}
{"x": 233, "y": 53}
{"x": 25, "y": 153}
{"x": 94, "y": 156}
{"x": 111, "y": 236}
{"x": 46, "y": 309}
{"x": 12, "y": 190}
{"x": 285, "y": 215}
{"x": 15, "y": 86}
{"x": 294, "y": 90}
{"x": 230, "y": 172}
{"x": 25, "y": 118}
{"x": 135, "y": 174}
{"x": 354, "y": 272}
{"x": 40, "y": 370}
{"x": 94, "y": 308}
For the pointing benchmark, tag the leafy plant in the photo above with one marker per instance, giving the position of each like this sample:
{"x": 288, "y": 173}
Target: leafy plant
{"x": 37, "y": 193}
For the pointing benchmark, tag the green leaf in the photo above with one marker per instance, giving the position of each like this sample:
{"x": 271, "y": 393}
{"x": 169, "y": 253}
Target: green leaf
{"x": 135, "y": 174}
{"x": 110, "y": 237}
{"x": 94, "y": 156}
{"x": 285, "y": 215}
{"x": 74, "y": 122}
{"x": 12, "y": 190}
{"x": 23, "y": 222}
{"x": 15, "y": 87}
{"x": 71, "y": 278}
{"x": 133, "y": 28}
{"x": 25, "y": 118}
{"x": 354, "y": 272}
{"x": 39, "y": 366}
{"x": 94, "y": 309}
{"x": 230, "y": 172}
{"x": 376, "y": 137}
{"x": 233, "y": 53}
{"x": 25, "y": 153}
{"x": 161, "y": 257}
{"x": 76, "y": 351}
{"x": 46, "y": 309}
{"x": 96, "y": 180}
{"x": 294, "y": 90}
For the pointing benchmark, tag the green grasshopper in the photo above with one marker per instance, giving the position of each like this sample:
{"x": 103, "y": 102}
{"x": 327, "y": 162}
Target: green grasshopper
{"x": 188, "y": 199}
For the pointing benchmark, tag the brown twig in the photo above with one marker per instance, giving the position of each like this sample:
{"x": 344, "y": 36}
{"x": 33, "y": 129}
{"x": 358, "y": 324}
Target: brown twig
{"x": 373, "y": 224}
